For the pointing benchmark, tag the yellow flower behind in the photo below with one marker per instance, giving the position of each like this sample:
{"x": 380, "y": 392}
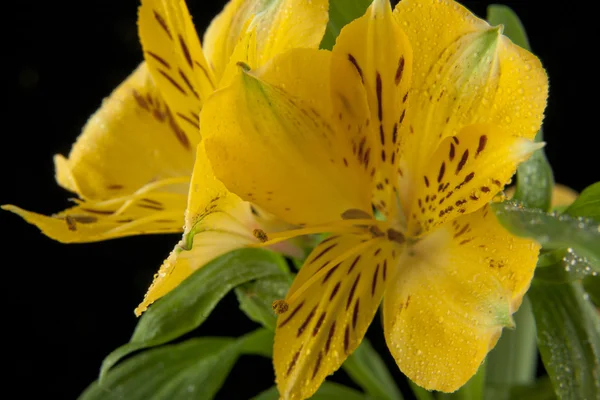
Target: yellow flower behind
{"x": 132, "y": 164}
{"x": 425, "y": 113}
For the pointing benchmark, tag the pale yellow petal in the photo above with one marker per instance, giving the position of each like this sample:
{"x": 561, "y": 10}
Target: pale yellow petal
{"x": 453, "y": 293}
{"x": 274, "y": 126}
{"x": 380, "y": 57}
{"x": 130, "y": 166}
{"x": 465, "y": 173}
{"x": 466, "y": 72}
{"x": 176, "y": 61}
{"x": 145, "y": 212}
{"x": 130, "y": 141}
{"x": 217, "y": 222}
{"x": 330, "y": 306}
{"x": 280, "y": 25}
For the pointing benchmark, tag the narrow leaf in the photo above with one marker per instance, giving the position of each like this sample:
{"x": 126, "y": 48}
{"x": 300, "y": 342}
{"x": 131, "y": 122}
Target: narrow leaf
{"x": 568, "y": 338}
{"x": 342, "y": 12}
{"x": 188, "y": 306}
{"x": 552, "y": 231}
{"x": 256, "y": 298}
{"x": 587, "y": 204}
{"x": 327, "y": 391}
{"x": 194, "y": 369}
{"x": 368, "y": 370}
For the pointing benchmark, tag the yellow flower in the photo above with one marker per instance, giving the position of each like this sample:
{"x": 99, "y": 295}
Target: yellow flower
{"x": 132, "y": 164}
{"x": 425, "y": 113}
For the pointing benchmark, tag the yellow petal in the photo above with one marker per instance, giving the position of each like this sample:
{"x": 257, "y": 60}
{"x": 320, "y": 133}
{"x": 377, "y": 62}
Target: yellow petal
{"x": 380, "y": 60}
{"x": 274, "y": 148}
{"x": 464, "y": 173}
{"x": 143, "y": 213}
{"x": 131, "y": 165}
{"x": 280, "y": 25}
{"x": 174, "y": 56}
{"x": 129, "y": 142}
{"x": 466, "y": 72}
{"x": 454, "y": 292}
{"x": 330, "y": 305}
{"x": 217, "y": 222}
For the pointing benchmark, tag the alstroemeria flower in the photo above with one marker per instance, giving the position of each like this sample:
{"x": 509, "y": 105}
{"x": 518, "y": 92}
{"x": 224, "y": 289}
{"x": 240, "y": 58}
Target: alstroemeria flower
{"x": 425, "y": 113}
{"x": 132, "y": 164}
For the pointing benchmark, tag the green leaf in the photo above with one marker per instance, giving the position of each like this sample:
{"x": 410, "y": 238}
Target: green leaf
{"x": 568, "y": 338}
{"x": 513, "y": 28}
{"x": 587, "y": 204}
{"x": 194, "y": 369}
{"x": 472, "y": 390}
{"x": 188, "y": 306}
{"x": 256, "y": 298}
{"x": 535, "y": 180}
{"x": 258, "y": 343}
{"x": 591, "y": 284}
{"x": 419, "y": 392}
{"x": 342, "y": 12}
{"x": 562, "y": 265}
{"x": 327, "y": 391}
{"x": 541, "y": 390}
{"x": 368, "y": 370}
{"x": 552, "y": 231}
{"x": 514, "y": 359}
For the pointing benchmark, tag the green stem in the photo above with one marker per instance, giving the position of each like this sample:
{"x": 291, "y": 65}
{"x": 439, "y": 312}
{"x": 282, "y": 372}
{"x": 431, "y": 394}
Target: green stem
{"x": 514, "y": 359}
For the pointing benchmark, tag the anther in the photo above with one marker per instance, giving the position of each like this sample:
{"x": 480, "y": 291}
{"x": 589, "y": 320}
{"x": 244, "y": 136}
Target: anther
{"x": 280, "y": 306}
{"x": 260, "y": 235}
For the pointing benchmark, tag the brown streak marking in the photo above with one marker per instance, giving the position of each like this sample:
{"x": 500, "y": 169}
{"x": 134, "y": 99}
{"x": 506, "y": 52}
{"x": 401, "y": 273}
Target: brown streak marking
{"x": 351, "y": 295}
{"x": 358, "y": 69}
{"x": 399, "y": 70}
{"x": 172, "y": 81}
{"x": 462, "y": 162}
{"x": 329, "y": 337}
{"x": 355, "y": 313}
{"x": 188, "y": 120}
{"x": 188, "y": 83}
{"x": 306, "y": 322}
{"x": 186, "y": 51}
{"x": 323, "y": 253}
{"x": 293, "y": 362}
{"x": 330, "y": 272}
{"x": 335, "y": 290}
{"x": 452, "y": 151}
{"x": 319, "y": 323}
{"x": 482, "y": 142}
{"x": 441, "y": 174}
{"x": 353, "y": 264}
{"x": 379, "y": 89}
{"x": 374, "y": 283}
{"x": 294, "y": 312}
{"x": 162, "y": 23}
{"x": 158, "y": 58}
{"x": 317, "y": 364}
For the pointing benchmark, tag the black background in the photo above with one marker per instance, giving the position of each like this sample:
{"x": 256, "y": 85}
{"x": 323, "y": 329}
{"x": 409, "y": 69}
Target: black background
{"x": 65, "y": 307}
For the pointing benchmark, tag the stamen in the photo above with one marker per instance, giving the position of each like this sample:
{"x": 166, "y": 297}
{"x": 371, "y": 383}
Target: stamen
{"x": 280, "y": 306}
{"x": 345, "y": 226}
{"x": 260, "y": 235}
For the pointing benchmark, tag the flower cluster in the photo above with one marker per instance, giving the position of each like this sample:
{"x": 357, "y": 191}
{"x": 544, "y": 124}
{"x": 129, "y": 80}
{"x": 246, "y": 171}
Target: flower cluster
{"x": 393, "y": 144}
